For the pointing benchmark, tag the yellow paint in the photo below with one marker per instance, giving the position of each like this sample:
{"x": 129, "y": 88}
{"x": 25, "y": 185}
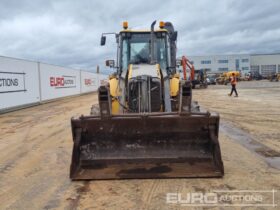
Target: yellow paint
{"x": 129, "y": 71}
{"x": 174, "y": 86}
{"x": 113, "y": 87}
{"x": 112, "y": 76}
{"x": 114, "y": 92}
{"x": 177, "y": 75}
{"x": 115, "y": 106}
{"x": 229, "y": 74}
{"x": 158, "y": 70}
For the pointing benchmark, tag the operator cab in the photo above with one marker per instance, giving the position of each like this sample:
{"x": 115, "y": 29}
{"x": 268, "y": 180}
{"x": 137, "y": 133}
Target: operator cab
{"x": 136, "y": 48}
{"x": 145, "y": 47}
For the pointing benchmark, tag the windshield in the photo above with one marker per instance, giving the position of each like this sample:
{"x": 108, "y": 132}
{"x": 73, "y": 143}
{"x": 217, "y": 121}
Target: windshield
{"x": 136, "y": 49}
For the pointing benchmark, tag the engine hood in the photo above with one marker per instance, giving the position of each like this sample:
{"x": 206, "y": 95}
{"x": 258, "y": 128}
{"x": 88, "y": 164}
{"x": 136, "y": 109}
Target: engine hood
{"x": 136, "y": 70}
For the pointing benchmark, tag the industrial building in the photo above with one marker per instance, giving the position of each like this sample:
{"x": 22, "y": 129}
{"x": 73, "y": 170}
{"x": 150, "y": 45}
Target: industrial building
{"x": 264, "y": 64}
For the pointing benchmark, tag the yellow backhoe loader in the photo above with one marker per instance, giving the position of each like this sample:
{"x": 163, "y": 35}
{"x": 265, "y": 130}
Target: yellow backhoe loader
{"x": 274, "y": 77}
{"x": 146, "y": 124}
{"x": 224, "y": 78}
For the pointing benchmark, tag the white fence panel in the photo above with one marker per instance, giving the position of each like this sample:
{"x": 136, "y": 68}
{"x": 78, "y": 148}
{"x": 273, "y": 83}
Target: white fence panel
{"x": 57, "y": 82}
{"x": 24, "y": 83}
{"x": 103, "y": 79}
{"x": 89, "y": 82}
{"x": 19, "y": 83}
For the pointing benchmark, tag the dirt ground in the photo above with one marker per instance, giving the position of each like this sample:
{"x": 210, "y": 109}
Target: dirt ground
{"x": 36, "y": 144}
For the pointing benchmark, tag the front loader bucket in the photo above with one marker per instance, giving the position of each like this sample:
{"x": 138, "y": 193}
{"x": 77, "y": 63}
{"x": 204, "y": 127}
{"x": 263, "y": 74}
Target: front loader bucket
{"x": 158, "y": 145}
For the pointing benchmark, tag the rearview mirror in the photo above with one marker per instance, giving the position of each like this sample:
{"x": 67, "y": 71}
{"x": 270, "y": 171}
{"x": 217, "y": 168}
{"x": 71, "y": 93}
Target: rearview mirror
{"x": 110, "y": 63}
{"x": 103, "y": 40}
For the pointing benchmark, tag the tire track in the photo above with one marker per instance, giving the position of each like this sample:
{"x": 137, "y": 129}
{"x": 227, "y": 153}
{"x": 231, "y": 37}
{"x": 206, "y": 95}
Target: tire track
{"x": 151, "y": 194}
{"x": 270, "y": 156}
{"x": 30, "y": 150}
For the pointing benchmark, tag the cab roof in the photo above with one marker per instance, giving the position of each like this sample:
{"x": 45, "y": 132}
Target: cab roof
{"x": 142, "y": 31}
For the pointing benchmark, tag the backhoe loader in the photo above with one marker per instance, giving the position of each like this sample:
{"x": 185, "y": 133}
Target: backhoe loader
{"x": 146, "y": 124}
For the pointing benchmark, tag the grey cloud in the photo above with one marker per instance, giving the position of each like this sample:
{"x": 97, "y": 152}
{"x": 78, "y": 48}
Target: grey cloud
{"x": 68, "y": 32}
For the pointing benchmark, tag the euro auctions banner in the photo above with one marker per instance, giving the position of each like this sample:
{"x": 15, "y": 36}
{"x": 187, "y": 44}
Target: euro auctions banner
{"x": 58, "y": 81}
{"x": 89, "y": 81}
{"x": 19, "y": 83}
{"x": 63, "y": 81}
{"x": 103, "y": 79}
{"x": 25, "y": 82}
{"x": 12, "y": 82}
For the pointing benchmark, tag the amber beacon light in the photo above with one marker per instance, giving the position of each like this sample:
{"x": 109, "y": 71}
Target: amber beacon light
{"x": 125, "y": 24}
{"x": 161, "y": 24}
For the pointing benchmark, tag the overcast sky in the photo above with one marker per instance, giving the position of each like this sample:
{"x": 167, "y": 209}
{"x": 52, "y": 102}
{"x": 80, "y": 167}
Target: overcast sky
{"x": 67, "y": 33}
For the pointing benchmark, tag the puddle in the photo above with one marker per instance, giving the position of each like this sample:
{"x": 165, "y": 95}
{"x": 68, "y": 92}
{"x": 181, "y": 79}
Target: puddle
{"x": 271, "y": 157}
